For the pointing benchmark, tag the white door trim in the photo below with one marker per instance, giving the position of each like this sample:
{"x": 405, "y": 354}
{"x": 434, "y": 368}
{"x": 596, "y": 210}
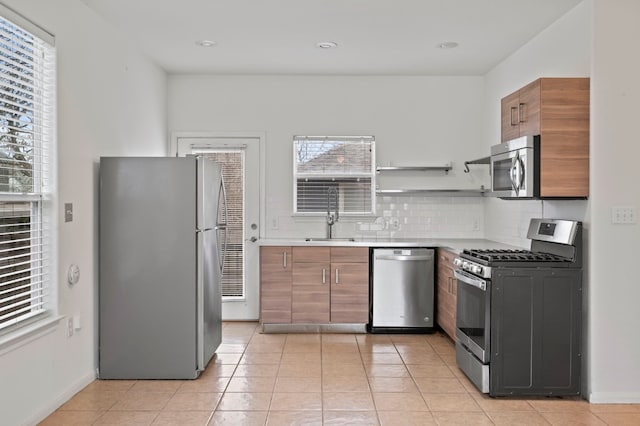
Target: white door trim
{"x": 173, "y": 152}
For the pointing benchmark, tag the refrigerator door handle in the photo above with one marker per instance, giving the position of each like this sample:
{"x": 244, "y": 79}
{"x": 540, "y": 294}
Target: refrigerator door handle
{"x": 222, "y": 226}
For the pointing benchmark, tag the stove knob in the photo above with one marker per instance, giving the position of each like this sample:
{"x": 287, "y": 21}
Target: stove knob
{"x": 457, "y": 262}
{"x": 476, "y": 269}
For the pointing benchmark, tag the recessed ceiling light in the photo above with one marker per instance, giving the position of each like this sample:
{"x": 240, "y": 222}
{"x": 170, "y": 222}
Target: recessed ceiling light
{"x": 326, "y": 45}
{"x": 447, "y": 45}
{"x": 206, "y": 43}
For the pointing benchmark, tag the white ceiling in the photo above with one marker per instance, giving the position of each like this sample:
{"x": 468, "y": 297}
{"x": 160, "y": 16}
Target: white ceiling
{"x": 375, "y": 37}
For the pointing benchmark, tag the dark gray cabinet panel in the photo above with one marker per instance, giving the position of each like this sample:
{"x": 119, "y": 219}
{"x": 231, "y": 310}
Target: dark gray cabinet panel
{"x": 536, "y": 332}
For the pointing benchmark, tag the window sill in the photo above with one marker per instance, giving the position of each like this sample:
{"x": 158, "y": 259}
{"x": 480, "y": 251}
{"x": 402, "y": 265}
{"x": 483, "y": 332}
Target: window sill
{"x": 346, "y": 216}
{"x": 28, "y": 333}
{"x": 226, "y": 299}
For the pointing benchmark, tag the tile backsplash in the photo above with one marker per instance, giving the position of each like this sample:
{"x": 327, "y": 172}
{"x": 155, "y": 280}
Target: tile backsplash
{"x": 398, "y": 217}
{"x": 429, "y": 217}
{"x": 506, "y": 221}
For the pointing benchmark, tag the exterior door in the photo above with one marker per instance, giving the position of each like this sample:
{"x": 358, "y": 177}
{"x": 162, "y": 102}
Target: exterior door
{"x": 241, "y": 168}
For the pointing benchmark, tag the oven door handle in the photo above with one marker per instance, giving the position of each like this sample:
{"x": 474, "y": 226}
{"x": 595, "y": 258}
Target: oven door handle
{"x": 469, "y": 279}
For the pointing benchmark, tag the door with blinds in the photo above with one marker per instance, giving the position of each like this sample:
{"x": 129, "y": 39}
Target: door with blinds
{"x": 240, "y": 161}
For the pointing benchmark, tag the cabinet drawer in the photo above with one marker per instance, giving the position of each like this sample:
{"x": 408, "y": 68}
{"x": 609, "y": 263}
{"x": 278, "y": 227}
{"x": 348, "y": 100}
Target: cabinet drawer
{"x": 275, "y": 259}
{"x": 311, "y": 254}
{"x": 350, "y": 254}
{"x": 446, "y": 257}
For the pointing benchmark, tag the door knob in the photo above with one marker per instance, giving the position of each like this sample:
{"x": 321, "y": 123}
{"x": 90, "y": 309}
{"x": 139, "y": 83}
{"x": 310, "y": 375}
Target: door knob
{"x": 253, "y": 239}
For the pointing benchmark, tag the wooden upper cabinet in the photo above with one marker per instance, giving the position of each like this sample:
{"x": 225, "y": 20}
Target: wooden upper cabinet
{"x": 509, "y": 117}
{"x": 529, "y": 109}
{"x": 557, "y": 109}
{"x": 521, "y": 112}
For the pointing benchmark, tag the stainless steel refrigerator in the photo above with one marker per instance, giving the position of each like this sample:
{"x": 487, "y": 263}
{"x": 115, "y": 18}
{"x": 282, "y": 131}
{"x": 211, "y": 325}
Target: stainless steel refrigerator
{"x": 162, "y": 238}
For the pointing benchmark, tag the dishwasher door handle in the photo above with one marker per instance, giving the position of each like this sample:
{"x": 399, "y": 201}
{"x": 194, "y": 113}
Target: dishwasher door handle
{"x": 402, "y": 258}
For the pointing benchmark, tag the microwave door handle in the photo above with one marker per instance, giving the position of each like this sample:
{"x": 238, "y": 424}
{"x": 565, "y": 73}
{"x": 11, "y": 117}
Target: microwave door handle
{"x": 513, "y": 173}
{"x": 520, "y": 173}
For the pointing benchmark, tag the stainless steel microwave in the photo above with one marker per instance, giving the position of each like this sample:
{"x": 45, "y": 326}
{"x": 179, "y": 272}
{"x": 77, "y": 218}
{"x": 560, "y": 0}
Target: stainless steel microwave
{"x": 515, "y": 168}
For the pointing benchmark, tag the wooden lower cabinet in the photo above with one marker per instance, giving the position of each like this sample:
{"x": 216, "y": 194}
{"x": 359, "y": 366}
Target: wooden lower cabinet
{"x": 446, "y": 293}
{"x": 350, "y": 285}
{"x": 311, "y": 285}
{"x": 326, "y": 285}
{"x": 275, "y": 285}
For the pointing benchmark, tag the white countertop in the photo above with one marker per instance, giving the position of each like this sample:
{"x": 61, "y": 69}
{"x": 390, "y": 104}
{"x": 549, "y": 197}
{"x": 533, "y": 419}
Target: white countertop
{"x": 455, "y": 244}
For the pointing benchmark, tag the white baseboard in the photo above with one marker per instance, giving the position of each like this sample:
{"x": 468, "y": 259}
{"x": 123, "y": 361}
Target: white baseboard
{"x": 42, "y": 413}
{"x": 614, "y": 398}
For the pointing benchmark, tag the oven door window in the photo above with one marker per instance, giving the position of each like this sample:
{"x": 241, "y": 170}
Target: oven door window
{"x": 472, "y": 317}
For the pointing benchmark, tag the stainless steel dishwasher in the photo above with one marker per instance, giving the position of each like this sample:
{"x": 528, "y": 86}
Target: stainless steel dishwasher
{"x": 402, "y": 290}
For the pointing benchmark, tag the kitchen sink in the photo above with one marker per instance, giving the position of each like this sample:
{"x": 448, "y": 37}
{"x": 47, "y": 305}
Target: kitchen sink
{"x": 330, "y": 239}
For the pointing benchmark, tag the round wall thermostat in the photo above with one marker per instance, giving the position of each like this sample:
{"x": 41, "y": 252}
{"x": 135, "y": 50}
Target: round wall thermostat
{"x": 73, "y": 275}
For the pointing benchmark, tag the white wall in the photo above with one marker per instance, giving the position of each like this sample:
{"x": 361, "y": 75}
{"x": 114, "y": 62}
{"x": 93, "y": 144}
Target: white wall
{"x": 416, "y": 120}
{"x": 111, "y": 101}
{"x": 615, "y": 175}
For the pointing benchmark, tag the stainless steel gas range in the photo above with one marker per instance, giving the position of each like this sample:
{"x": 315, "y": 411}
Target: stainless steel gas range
{"x": 518, "y": 323}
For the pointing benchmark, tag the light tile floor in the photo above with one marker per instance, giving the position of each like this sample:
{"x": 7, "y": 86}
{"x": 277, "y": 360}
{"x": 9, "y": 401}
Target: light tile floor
{"x": 328, "y": 379}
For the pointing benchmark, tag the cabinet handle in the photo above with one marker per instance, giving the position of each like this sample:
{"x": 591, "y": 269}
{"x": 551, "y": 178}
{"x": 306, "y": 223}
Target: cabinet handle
{"x": 337, "y": 277}
{"x": 284, "y": 259}
{"x": 521, "y": 112}
{"x": 324, "y": 276}
{"x": 513, "y": 123}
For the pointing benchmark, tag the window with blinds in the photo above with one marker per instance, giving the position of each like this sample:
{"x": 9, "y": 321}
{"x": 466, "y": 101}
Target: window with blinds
{"x": 233, "y": 174}
{"x": 346, "y": 163}
{"x": 27, "y": 91}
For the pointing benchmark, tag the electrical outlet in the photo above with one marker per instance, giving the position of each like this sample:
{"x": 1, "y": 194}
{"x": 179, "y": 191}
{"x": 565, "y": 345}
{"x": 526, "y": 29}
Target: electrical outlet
{"x": 274, "y": 223}
{"x": 476, "y": 225}
{"x": 69, "y": 327}
{"x": 621, "y": 215}
{"x": 394, "y": 223}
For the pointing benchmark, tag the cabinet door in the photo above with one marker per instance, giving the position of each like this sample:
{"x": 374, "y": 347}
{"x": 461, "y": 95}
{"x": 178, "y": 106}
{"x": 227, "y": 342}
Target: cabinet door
{"x": 350, "y": 293}
{"x": 350, "y": 285}
{"x": 564, "y": 146}
{"x": 510, "y": 126}
{"x": 446, "y": 293}
{"x": 275, "y": 285}
{"x": 529, "y": 109}
{"x": 311, "y": 287}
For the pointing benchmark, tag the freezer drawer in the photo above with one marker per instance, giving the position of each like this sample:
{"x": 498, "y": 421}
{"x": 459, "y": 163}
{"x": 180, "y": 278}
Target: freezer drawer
{"x": 403, "y": 288}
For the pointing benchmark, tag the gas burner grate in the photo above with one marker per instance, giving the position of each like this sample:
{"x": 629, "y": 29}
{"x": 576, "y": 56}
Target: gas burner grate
{"x": 506, "y": 255}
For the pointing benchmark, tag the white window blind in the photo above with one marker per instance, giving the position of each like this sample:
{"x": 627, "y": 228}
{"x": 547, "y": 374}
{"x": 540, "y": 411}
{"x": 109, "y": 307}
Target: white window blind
{"x": 233, "y": 174}
{"x": 346, "y": 163}
{"x": 27, "y": 106}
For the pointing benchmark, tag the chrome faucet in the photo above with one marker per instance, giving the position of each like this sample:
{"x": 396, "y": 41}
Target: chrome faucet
{"x": 332, "y": 217}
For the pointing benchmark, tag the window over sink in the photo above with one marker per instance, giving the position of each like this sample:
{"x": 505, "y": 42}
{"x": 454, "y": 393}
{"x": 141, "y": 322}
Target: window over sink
{"x": 324, "y": 165}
